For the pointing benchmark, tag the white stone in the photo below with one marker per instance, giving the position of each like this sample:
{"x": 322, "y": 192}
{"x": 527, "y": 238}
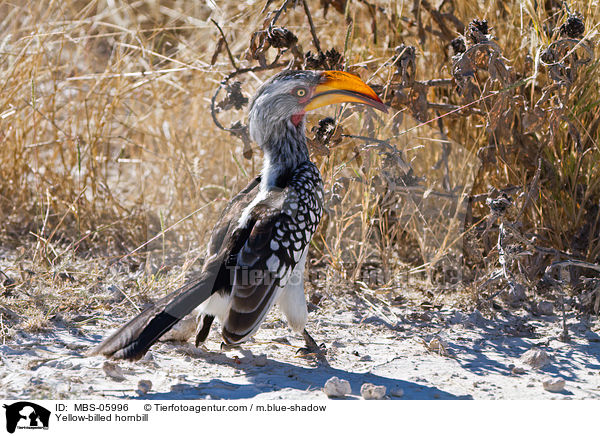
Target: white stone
{"x": 535, "y": 358}
{"x": 143, "y": 387}
{"x": 336, "y": 387}
{"x": 113, "y": 371}
{"x": 517, "y": 370}
{"x": 554, "y": 384}
{"x": 370, "y": 391}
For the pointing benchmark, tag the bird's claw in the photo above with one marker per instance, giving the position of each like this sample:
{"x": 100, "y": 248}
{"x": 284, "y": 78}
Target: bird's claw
{"x": 312, "y": 349}
{"x": 229, "y": 347}
{"x": 308, "y": 351}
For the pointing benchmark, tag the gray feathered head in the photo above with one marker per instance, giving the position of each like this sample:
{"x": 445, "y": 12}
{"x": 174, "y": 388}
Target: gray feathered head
{"x": 282, "y": 101}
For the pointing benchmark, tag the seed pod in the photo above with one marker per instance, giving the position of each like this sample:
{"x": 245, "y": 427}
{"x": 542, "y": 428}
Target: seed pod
{"x": 280, "y": 37}
{"x": 477, "y": 31}
{"x": 330, "y": 60}
{"x": 458, "y": 45}
{"x": 574, "y": 27}
{"x": 481, "y": 25}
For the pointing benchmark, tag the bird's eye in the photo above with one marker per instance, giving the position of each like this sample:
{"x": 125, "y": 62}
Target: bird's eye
{"x": 300, "y": 92}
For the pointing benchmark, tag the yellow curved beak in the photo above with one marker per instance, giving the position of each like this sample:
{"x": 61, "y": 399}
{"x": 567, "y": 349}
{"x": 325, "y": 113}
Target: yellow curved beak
{"x": 342, "y": 87}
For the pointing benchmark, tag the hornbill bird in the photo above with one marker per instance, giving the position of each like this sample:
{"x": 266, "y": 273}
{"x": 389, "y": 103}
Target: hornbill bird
{"x": 257, "y": 251}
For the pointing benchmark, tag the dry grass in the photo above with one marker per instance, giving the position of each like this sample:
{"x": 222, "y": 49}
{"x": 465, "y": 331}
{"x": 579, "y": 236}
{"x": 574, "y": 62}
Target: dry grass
{"x": 106, "y": 141}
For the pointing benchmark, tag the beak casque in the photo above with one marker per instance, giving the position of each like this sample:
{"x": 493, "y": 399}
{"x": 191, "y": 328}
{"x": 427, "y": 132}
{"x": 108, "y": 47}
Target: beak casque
{"x": 342, "y": 87}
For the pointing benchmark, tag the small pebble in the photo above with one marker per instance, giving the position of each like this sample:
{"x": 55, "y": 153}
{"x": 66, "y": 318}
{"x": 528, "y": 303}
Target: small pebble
{"x": 336, "y": 387}
{"x": 113, "y": 371}
{"x": 516, "y": 294}
{"x": 260, "y": 360}
{"x": 554, "y": 384}
{"x": 143, "y": 387}
{"x": 370, "y": 391}
{"x": 397, "y": 392}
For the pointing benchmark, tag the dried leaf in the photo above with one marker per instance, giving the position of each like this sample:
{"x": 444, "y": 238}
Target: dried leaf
{"x": 418, "y": 101}
{"x": 405, "y": 62}
{"x": 235, "y": 98}
{"x": 218, "y": 49}
{"x": 496, "y": 112}
{"x": 241, "y": 131}
{"x": 533, "y": 120}
{"x": 338, "y": 5}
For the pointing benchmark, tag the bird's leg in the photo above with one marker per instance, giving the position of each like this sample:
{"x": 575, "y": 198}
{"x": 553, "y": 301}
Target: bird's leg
{"x": 312, "y": 349}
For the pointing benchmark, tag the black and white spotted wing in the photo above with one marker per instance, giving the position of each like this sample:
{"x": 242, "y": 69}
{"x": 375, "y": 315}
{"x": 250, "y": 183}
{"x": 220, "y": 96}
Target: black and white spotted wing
{"x": 283, "y": 225}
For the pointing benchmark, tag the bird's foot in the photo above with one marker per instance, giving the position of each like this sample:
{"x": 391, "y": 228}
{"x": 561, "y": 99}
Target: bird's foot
{"x": 229, "y": 347}
{"x": 312, "y": 350}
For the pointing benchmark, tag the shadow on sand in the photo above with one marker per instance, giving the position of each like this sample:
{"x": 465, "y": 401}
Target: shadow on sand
{"x": 280, "y": 376}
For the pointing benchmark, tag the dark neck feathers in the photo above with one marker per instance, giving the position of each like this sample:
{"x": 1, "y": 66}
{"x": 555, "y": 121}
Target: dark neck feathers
{"x": 284, "y": 149}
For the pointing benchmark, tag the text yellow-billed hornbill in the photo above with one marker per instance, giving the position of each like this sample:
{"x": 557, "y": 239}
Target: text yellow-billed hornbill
{"x": 257, "y": 251}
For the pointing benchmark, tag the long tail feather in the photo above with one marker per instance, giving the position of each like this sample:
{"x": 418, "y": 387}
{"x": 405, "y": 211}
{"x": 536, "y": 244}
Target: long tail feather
{"x": 132, "y": 341}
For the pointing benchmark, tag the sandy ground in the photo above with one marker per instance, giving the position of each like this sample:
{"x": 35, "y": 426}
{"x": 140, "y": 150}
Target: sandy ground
{"x": 415, "y": 354}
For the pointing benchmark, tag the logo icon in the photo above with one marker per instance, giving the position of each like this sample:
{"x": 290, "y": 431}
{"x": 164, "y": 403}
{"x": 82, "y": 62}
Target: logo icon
{"x": 26, "y": 415}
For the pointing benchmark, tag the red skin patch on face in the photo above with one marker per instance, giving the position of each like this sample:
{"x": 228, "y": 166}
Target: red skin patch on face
{"x": 305, "y": 100}
{"x": 297, "y": 118}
